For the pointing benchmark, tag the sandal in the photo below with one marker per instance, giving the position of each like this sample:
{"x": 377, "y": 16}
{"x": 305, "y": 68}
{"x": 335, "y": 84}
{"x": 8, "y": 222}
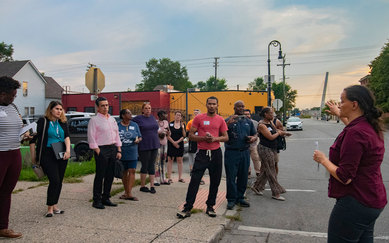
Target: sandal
{"x": 170, "y": 181}
{"x": 132, "y": 199}
{"x": 123, "y": 197}
{"x": 181, "y": 180}
{"x": 59, "y": 211}
{"x": 48, "y": 215}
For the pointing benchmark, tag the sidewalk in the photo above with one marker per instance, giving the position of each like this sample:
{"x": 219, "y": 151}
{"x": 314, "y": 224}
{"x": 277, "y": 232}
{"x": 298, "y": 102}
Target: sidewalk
{"x": 151, "y": 219}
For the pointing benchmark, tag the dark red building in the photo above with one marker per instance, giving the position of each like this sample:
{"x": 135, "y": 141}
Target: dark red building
{"x": 118, "y": 100}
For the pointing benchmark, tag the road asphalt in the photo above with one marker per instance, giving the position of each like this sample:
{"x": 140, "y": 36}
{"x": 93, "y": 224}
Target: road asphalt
{"x": 151, "y": 219}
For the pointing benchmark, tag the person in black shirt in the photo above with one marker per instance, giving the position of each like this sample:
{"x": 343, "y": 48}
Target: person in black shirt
{"x": 267, "y": 150}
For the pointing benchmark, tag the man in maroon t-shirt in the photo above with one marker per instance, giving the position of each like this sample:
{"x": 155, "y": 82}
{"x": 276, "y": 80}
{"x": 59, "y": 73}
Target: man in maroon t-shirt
{"x": 212, "y": 130}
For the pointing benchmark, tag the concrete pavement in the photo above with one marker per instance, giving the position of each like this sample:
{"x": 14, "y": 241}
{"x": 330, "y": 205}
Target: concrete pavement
{"x": 151, "y": 219}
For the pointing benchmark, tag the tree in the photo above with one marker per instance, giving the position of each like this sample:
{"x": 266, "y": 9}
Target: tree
{"x": 290, "y": 95}
{"x": 6, "y": 52}
{"x": 212, "y": 84}
{"x": 164, "y": 71}
{"x": 258, "y": 84}
{"x": 379, "y": 78}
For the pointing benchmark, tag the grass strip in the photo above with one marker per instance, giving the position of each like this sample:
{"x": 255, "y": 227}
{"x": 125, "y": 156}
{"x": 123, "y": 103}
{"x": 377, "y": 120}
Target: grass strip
{"x": 73, "y": 170}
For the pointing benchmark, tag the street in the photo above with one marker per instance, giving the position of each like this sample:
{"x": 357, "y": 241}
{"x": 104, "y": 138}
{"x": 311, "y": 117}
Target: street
{"x": 303, "y": 217}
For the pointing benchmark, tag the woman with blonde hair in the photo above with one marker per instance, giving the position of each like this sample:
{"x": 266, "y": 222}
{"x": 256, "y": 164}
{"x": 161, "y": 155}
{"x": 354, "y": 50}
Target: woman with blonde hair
{"x": 52, "y": 128}
{"x": 148, "y": 147}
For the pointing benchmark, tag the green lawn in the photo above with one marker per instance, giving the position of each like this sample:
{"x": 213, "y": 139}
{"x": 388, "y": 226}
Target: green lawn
{"x": 73, "y": 170}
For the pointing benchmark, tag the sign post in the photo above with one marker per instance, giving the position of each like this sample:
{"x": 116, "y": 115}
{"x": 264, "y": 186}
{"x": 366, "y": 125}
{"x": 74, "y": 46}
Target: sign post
{"x": 95, "y": 80}
{"x": 277, "y": 104}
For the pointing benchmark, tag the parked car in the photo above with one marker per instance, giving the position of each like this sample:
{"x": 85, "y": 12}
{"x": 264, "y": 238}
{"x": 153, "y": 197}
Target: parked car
{"x": 78, "y": 133}
{"x": 72, "y": 114}
{"x": 294, "y": 123}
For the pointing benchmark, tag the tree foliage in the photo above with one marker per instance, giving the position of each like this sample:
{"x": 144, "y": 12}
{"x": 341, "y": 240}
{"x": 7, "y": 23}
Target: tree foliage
{"x": 164, "y": 71}
{"x": 379, "y": 78}
{"x": 258, "y": 84}
{"x": 6, "y": 52}
{"x": 290, "y": 95}
{"x": 212, "y": 84}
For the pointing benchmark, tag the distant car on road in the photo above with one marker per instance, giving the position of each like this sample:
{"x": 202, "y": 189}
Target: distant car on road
{"x": 294, "y": 123}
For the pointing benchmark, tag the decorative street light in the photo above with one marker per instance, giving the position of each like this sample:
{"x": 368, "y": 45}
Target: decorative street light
{"x": 275, "y": 43}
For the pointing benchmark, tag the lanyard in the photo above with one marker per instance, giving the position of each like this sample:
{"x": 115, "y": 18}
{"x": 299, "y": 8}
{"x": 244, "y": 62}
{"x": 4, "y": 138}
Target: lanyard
{"x": 56, "y": 128}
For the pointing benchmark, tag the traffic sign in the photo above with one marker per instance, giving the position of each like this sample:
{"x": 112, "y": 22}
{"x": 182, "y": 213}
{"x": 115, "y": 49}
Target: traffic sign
{"x": 95, "y": 80}
{"x": 277, "y": 103}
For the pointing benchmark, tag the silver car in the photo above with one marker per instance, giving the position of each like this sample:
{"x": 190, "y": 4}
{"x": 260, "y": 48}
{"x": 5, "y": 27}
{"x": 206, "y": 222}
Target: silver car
{"x": 294, "y": 123}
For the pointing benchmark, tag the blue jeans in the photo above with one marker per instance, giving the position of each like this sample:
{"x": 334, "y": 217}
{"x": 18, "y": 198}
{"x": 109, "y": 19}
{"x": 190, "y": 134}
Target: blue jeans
{"x": 236, "y": 163}
{"x": 350, "y": 221}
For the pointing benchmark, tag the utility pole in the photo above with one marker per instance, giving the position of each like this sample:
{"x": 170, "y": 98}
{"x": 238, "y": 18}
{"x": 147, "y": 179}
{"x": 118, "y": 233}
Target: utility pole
{"x": 284, "y": 92}
{"x": 215, "y": 65}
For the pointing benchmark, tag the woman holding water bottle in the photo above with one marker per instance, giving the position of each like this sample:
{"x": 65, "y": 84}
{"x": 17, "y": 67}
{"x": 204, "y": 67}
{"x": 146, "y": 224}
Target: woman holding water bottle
{"x": 354, "y": 164}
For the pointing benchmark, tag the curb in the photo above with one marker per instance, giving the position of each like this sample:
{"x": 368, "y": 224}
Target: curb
{"x": 216, "y": 237}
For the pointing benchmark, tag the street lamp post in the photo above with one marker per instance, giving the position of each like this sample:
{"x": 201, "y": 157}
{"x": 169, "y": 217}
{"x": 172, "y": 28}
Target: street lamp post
{"x": 275, "y": 43}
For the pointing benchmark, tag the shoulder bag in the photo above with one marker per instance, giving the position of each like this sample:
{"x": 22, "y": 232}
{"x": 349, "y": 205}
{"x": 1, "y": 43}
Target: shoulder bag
{"x": 36, "y": 167}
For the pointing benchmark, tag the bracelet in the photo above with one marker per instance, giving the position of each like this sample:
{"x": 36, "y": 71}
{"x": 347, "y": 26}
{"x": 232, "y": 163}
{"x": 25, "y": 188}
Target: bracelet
{"x": 119, "y": 152}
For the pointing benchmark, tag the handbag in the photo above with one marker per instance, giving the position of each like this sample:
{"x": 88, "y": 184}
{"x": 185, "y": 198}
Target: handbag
{"x": 38, "y": 170}
{"x": 281, "y": 143}
{"x": 119, "y": 169}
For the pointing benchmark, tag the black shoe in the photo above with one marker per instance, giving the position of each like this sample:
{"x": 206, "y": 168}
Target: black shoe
{"x": 98, "y": 205}
{"x": 109, "y": 203}
{"x": 183, "y": 214}
{"x": 48, "y": 215}
{"x": 230, "y": 205}
{"x": 157, "y": 184}
{"x": 144, "y": 189}
{"x": 152, "y": 190}
{"x": 244, "y": 203}
{"x": 211, "y": 212}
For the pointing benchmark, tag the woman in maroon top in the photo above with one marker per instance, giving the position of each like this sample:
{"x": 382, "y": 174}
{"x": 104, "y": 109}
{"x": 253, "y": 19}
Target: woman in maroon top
{"x": 354, "y": 164}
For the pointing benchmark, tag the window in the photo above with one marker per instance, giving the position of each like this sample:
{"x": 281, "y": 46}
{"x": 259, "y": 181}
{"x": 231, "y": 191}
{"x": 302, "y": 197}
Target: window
{"x": 25, "y": 88}
{"x": 90, "y": 109}
{"x": 26, "y": 111}
{"x": 32, "y": 111}
{"x": 72, "y": 108}
{"x": 110, "y": 110}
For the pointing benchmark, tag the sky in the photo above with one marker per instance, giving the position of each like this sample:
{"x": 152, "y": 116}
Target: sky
{"x": 119, "y": 36}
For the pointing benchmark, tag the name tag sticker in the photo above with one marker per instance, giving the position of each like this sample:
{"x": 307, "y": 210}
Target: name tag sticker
{"x": 206, "y": 122}
{"x": 171, "y": 124}
{"x": 270, "y": 129}
{"x": 132, "y": 128}
{"x": 3, "y": 114}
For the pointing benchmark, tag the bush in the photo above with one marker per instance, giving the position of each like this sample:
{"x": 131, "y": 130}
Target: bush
{"x": 305, "y": 116}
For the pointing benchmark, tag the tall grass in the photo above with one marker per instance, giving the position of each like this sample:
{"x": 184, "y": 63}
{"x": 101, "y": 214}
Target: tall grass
{"x": 73, "y": 170}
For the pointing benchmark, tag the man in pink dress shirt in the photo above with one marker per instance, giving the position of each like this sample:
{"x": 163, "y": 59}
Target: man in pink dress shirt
{"x": 103, "y": 138}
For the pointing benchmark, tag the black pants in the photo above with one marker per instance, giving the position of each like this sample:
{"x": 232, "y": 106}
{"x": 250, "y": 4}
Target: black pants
{"x": 350, "y": 221}
{"x": 105, "y": 167}
{"x": 213, "y": 162}
{"x": 55, "y": 170}
{"x": 147, "y": 158}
